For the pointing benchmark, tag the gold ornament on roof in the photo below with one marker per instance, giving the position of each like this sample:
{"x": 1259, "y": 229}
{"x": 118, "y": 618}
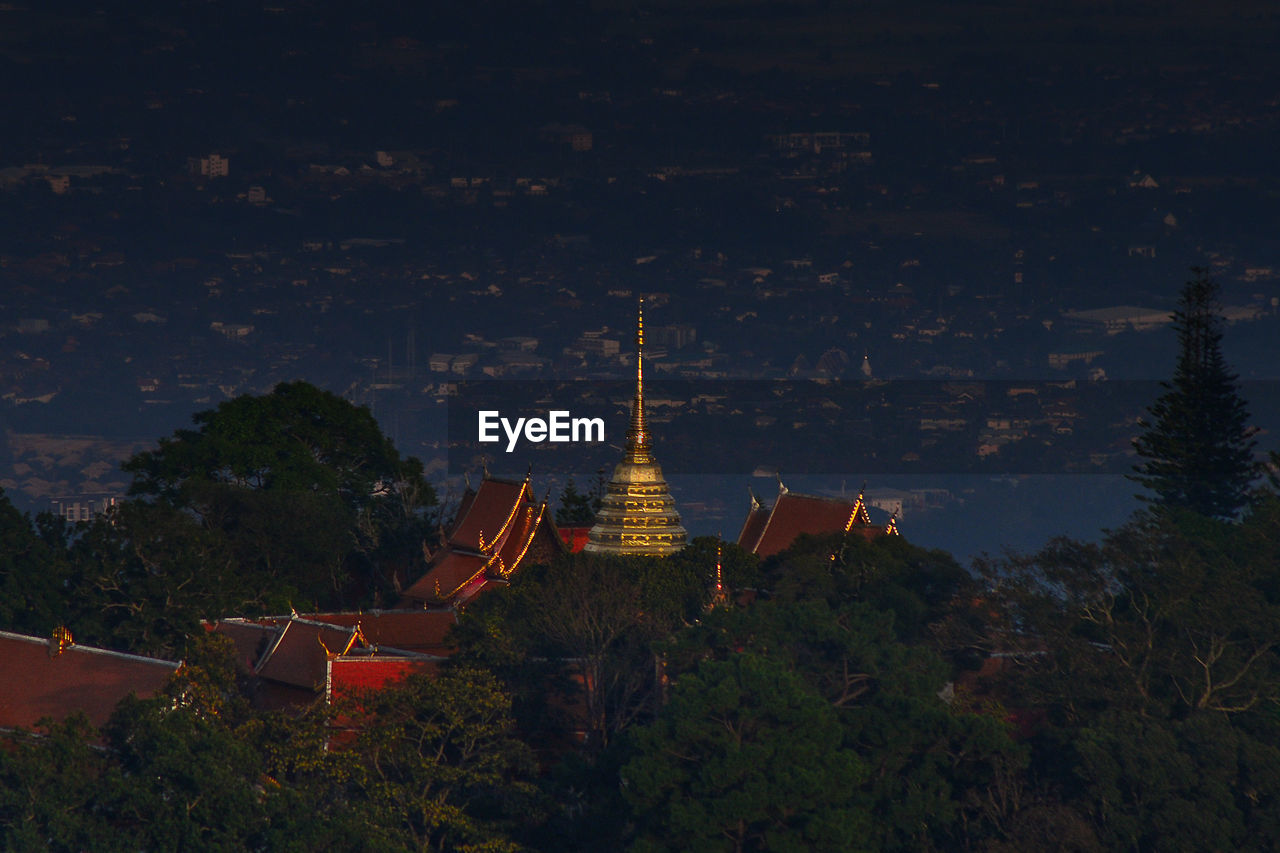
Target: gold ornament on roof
{"x": 60, "y": 641}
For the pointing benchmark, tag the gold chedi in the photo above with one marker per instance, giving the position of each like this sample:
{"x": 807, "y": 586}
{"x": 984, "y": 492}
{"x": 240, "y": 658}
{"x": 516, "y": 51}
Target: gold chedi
{"x": 638, "y": 516}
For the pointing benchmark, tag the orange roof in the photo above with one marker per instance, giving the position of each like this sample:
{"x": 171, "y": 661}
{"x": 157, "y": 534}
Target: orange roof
{"x": 348, "y": 675}
{"x": 749, "y": 538}
{"x": 523, "y": 527}
{"x": 296, "y": 658}
{"x": 498, "y": 526}
{"x": 574, "y": 538}
{"x": 36, "y": 683}
{"x": 299, "y": 655}
{"x": 446, "y": 576}
{"x": 410, "y": 630}
{"x": 287, "y": 649}
{"x": 768, "y": 531}
{"x": 488, "y": 514}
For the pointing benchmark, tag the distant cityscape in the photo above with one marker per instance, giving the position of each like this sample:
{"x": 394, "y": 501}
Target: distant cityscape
{"x": 409, "y": 208}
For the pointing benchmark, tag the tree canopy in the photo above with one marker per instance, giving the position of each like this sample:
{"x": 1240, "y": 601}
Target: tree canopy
{"x": 301, "y": 485}
{"x": 577, "y": 509}
{"x": 1155, "y": 660}
{"x": 293, "y": 498}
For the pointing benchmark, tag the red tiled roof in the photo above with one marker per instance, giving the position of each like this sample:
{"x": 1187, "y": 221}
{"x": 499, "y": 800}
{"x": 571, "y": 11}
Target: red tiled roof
{"x": 749, "y": 538}
{"x": 446, "y": 576}
{"x": 867, "y": 531}
{"x": 477, "y": 586}
{"x": 352, "y": 674}
{"x": 793, "y": 515}
{"x": 409, "y": 630}
{"x": 299, "y": 655}
{"x": 34, "y": 684}
{"x": 575, "y": 538}
{"x": 520, "y": 532}
{"x": 488, "y": 514}
{"x": 502, "y": 525}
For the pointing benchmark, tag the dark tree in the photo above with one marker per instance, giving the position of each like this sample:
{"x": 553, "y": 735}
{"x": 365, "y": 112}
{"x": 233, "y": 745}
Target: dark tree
{"x": 1152, "y": 663}
{"x": 1198, "y": 447}
{"x": 576, "y": 509}
{"x": 32, "y": 573}
{"x": 745, "y": 757}
{"x": 303, "y": 487}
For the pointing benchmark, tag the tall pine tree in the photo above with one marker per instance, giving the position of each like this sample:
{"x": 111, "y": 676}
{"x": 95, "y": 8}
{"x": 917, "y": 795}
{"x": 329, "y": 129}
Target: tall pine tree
{"x": 1197, "y": 446}
{"x": 576, "y": 509}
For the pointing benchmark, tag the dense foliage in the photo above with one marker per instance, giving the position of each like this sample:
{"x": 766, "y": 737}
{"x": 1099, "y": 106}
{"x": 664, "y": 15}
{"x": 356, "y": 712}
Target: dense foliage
{"x": 844, "y": 694}
{"x": 433, "y": 765}
{"x": 1155, "y": 661}
{"x": 292, "y": 499}
{"x": 1127, "y": 701}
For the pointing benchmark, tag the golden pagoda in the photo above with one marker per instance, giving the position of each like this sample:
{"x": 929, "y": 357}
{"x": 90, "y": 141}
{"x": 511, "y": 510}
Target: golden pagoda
{"x": 638, "y": 516}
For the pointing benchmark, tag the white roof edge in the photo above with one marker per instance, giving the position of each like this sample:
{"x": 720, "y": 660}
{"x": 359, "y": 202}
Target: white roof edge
{"x": 76, "y": 647}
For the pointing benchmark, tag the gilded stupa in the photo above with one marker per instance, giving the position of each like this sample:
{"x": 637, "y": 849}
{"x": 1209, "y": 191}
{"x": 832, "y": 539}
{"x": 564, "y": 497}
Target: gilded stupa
{"x": 638, "y": 515}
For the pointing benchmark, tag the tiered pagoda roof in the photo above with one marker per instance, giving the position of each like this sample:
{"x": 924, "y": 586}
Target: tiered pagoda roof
{"x": 638, "y": 516}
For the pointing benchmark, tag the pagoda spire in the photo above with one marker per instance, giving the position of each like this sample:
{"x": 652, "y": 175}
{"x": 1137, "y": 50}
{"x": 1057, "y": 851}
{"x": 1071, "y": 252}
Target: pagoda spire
{"x": 637, "y": 515}
{"x": 638, "y": 432}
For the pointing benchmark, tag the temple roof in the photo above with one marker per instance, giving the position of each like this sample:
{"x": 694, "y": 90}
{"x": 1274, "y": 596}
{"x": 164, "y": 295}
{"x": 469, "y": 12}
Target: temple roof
{"x": 37, "y": 680}
{"x": 769, "y": 530}
{"x": 447, "y": 576}
{"x": 749, "y": 538}
{"x": 299, "y": 658}
{"x": 484, "y": 518}
{"x": 409, "y": 630}
{"x": 351, "y": 674}
{"x": 299, "y": 654}
{"x": 496, "y": 527}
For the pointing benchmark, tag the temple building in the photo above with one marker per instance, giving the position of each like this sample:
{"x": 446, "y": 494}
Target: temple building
{"x": 638, "y": 516}
{"x": 499, "y": 526}
{"x": 769, "y": 530}
{"x": 292, "y": 661}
